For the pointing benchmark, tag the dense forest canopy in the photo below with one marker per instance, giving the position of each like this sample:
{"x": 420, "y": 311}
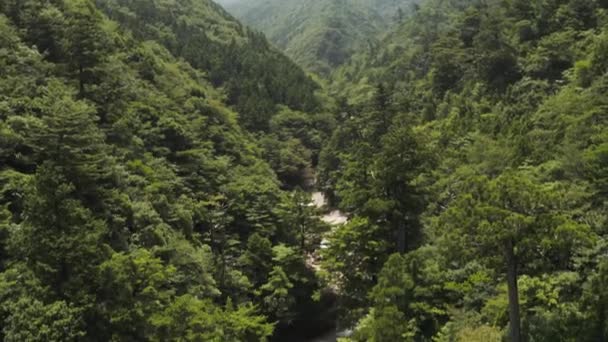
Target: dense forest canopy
{"x": 474, "y": 148}
{"x": 136, "y": 203}
{"x": 153, "y": 155}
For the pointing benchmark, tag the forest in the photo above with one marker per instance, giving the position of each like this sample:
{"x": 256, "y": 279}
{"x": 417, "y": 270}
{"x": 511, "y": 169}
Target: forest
{"x": 158, "y": 160}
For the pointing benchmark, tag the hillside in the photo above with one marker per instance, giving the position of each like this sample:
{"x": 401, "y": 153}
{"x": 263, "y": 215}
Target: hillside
{"x": 274, "y": 98}
{"x": 255, "y": 76}
{"x": 135, "y": 205}
{"x": 321, "y": 35}
{"x": 473, "y": 158}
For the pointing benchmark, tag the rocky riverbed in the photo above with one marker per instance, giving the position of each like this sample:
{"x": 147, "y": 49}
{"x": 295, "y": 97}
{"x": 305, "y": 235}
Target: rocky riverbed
{"x": 333, "y": 217}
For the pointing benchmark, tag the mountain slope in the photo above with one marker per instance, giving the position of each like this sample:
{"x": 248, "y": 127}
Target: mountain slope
{"x": 133, "y": 204}
{"x": 320, "y": 34}
{"x": 474, "y": 149}
{"x": 259, "y": 82}
{"x": 254, "y": 75}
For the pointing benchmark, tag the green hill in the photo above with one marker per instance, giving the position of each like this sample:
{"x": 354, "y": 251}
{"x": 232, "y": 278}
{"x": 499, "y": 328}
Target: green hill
{"x": 321, "y": 34}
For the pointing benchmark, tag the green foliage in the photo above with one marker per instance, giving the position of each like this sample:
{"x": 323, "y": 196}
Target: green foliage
{"x": 467, "y": 327}
{"x": 595, "y": 302}
{"x": 582, "y": 70}
{"x": 191, "y": 319}
{"x": 255, "y": 77}
{"x": 257, "y": 259}
{"x": 406, "y": 291}
{"x": 356, "y": 254}
{"x": 128, "y": 185}
{"x": 34, "y": 321}
{"x": 393, "y": 289}
{"x": 29, "y": 314}
{"x": 133, "y": 287}
{"x": 145, "y": 147}
{"x": 492, "y": 158}
{"x": 275, "y": 295}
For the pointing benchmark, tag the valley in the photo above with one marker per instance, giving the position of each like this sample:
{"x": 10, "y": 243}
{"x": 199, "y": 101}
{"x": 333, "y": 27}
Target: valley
{"x": 321, "y": 35}
{"x": 265, "y": 170}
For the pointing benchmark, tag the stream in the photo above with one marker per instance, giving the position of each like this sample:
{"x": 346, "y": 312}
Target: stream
{"x": 330, "y": 337}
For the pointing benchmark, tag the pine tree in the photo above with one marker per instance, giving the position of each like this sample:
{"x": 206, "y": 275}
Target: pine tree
{"x": 85, "y": 43}
{"x": 503, "y": 219}
{"x": 62, "y": 237}
{"x": 71, "y": 142}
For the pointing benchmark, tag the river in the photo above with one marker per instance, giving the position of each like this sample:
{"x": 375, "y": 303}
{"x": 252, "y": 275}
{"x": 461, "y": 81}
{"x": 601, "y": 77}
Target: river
{"x": 330, "y": 337}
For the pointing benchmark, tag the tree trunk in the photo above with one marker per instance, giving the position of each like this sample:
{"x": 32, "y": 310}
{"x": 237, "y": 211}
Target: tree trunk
{"x": 81, "y": 81}
{"x": 601, "y": 330}
{"x": 302, "y": 239}
{"x": 514, "y": 320}
{"x": 401, "y": 237}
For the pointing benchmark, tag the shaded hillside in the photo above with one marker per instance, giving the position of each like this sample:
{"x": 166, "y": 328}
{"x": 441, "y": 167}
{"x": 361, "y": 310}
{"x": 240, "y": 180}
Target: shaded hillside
{"x": 254, "y": 75}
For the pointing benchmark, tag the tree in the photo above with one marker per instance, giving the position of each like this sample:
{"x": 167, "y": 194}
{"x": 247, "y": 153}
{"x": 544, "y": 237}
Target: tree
{"x": 32, "y": 320}
{"x": 408, "y": 301}
{"x": 522, "y": 9}
{"x": 60, "y": 239}
{"x": 301, "y": 222}
{"x": 5, "y": 217}
{"x": 128, "y": 188}
{"x": 379, "y": 117}
{"x": 70, "y": 141}
{"x": 132, "y": 288}
{"x": 391, "y": 296}
{"x": 29, "y": 311}
{"x": 398, "y": 165}
{"x": 192, "y": 319}
{"x": 289, "y": 159}
{"x": 596, "y": 160}
{"x": 276, "y": 297}
{"x": 470, "y": 27}
{"x": 85, "y": 42}
{"x": 595, "y": 299}
{"x": 47, "y": 30}
{"x": 399, "y": 15}
{"x": 352, "y": 261}
{"x": 502, "y": 219}
{"x": 256, "y": 261}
